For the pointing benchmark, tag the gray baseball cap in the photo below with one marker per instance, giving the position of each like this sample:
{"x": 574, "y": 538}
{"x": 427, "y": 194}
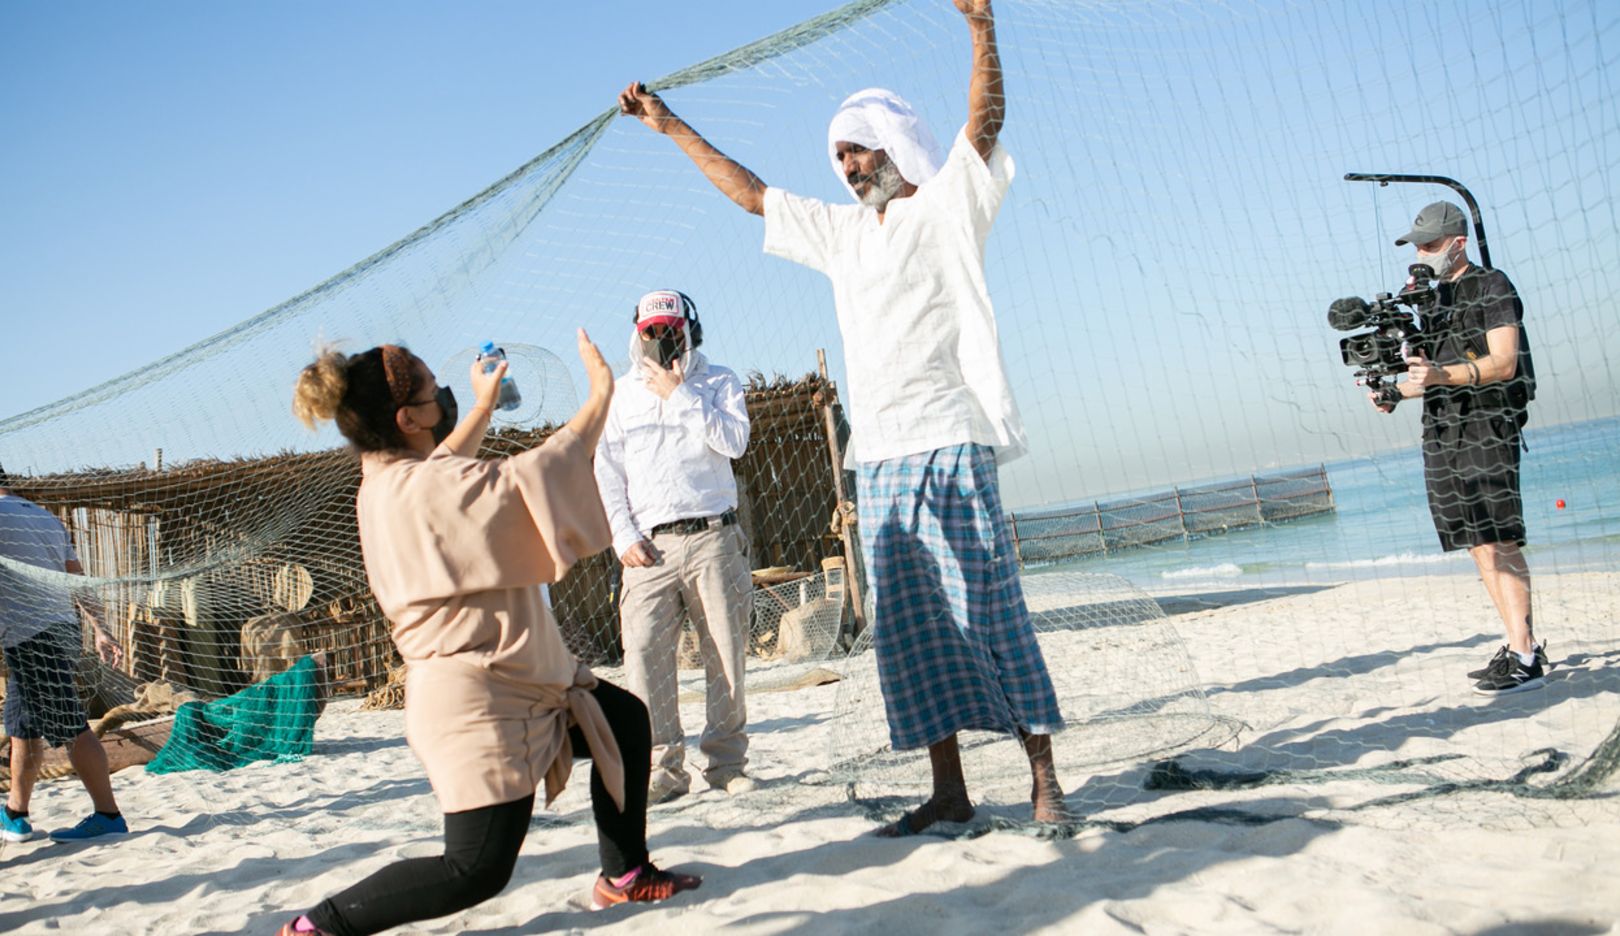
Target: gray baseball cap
{"x": 1441, "y": 219}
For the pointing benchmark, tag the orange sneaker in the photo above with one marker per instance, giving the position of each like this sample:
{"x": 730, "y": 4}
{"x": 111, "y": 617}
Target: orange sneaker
{"x": 649, "y": 886}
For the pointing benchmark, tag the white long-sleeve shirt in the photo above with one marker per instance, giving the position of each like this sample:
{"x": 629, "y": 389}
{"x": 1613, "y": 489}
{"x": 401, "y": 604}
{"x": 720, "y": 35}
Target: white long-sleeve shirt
{"x": 665, "y": 460}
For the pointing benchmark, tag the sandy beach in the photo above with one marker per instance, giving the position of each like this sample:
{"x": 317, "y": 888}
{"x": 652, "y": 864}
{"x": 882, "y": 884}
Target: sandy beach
{"x": 1346, "y": 695}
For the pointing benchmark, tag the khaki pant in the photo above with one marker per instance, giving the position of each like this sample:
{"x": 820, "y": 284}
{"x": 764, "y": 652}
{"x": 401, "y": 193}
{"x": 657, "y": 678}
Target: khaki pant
{"x": 704, "y": 575}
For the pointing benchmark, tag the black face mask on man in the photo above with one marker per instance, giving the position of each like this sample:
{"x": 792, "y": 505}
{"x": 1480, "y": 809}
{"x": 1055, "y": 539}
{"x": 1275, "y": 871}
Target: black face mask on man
{"x": 446, "y": 398}
{"x": 664, "y": 345}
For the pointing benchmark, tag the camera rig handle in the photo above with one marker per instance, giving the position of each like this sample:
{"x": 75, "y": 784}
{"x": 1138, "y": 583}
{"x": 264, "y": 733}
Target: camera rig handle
{"x": 1384, "y": 178}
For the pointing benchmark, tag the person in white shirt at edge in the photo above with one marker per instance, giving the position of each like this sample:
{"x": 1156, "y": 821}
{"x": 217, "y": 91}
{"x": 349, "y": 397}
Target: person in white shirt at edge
{"x": 664, "y": 469}
{"x": 930, "y": 410}
{"x": 42, "y": 642}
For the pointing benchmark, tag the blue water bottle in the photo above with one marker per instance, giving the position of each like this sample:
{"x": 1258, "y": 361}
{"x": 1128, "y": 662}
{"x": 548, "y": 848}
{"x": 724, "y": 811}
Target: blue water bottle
{"x": 491, "y": 356}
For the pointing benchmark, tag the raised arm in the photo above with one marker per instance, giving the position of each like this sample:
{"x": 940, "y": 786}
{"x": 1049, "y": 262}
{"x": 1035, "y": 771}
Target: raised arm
{"x": 730, "y": 177}
{"x": 724, "y": 417}
{"x": 592, "y": 416}
{"x": 987, "y": 104}
{"x": 469, "y": 433}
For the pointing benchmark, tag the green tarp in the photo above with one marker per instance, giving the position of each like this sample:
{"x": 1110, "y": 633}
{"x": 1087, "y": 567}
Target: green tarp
{"x": 272, "y": 720}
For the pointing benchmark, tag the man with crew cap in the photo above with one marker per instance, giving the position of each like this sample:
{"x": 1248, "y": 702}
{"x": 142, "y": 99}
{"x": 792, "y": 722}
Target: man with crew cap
{"x": 1476, "y": 391}
{"x": 930, "y": 410}
{"x": 663, "y": 467}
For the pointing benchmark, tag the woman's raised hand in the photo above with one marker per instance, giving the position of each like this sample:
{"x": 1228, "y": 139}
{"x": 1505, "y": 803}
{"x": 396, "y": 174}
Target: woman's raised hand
{"x": 596, "y": 368}
{"x": 592, "y": 415}
{"x": 486, "y": 386}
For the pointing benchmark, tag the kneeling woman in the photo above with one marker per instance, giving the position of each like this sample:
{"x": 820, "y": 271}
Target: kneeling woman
{"x": 456, "y": 550}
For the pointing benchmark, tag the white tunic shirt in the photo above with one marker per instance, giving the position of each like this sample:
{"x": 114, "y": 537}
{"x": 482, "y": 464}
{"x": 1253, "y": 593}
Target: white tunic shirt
{"x": 30, "y": 602}
{"x": 921, "y": 350}
{"x": 664, "y": 460}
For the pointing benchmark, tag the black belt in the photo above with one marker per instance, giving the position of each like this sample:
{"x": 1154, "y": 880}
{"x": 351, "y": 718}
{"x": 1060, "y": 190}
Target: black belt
{"x": 696, "y": 524}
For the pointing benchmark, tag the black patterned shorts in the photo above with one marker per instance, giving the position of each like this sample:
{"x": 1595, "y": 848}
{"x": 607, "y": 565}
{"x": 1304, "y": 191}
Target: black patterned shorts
{"x": 1471, "y": 473}
{"x": 41, "y": 698}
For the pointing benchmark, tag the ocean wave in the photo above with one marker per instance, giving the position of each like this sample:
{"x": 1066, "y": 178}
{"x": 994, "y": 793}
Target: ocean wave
{"x": 1399, "y": 559}
{"x": 1224, "y": 570}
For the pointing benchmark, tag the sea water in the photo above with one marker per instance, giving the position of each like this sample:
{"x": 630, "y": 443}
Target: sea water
{"x": 1382, "y": 528}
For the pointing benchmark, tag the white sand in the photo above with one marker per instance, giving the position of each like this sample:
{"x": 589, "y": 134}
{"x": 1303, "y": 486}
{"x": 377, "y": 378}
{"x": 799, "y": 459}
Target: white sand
{"x": 1319, "y": 680}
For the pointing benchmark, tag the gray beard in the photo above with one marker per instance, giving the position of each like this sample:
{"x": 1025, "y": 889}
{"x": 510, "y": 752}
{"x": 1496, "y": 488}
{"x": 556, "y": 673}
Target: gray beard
{"x": 886, "y": 183}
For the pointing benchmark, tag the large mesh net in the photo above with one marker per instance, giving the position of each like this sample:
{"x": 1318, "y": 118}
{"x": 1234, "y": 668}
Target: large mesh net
{"x": 1225, "y": 550}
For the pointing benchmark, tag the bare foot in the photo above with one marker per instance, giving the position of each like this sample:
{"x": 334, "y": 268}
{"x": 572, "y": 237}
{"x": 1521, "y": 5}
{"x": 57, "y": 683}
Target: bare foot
{"x": 935, "y": 810}
{"x": 1049, "y": 803}
{"x": 1044, "y": 790}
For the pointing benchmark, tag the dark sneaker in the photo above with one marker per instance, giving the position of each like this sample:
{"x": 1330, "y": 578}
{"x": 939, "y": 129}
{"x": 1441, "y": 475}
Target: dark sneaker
{"x": 1495, "y": 664}
{"x": 651, "y": 885}
{"x": 1512, "y": 676}
{"x": 1500, "y": 660}
{"x": 93, "y": 826}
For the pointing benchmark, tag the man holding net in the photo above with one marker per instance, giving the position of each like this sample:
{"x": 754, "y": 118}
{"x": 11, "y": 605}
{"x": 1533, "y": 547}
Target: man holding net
{"x": 39, "y": 631}
{"x": 664, "y": 470}
{"x": 930, "y": 409}
{"x": 1476, "y": 392}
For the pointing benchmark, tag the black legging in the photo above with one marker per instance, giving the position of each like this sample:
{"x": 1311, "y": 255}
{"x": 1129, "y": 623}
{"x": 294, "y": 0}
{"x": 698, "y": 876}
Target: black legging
{"x": 481, "y": 845}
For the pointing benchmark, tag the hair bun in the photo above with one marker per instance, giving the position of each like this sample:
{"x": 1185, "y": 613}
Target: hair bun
{"x": 321, "y": 386}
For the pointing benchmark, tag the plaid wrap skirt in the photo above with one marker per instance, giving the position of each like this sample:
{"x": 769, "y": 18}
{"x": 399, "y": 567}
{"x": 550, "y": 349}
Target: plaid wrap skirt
{"x": 955, "y": 646}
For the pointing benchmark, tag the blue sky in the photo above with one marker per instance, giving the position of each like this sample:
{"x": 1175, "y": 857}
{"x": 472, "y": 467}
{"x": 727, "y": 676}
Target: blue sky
{"x": 170, "y": 169}
{"x": 1161, "y": 269}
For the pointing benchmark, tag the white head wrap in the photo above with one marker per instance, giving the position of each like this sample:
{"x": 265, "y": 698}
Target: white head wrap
{"x": 882, "y": 120}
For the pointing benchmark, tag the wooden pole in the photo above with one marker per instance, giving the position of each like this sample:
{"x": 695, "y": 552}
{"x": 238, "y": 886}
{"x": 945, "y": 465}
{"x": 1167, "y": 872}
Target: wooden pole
{"x": 1018, "y": 549}
{"x": 847, "y": 529}
{"x": 1254, "y": 490}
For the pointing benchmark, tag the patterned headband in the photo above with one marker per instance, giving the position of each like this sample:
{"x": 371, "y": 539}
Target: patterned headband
{"x": 397, "y": 368}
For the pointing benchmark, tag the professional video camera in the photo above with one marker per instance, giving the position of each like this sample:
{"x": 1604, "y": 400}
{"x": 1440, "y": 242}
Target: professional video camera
{"x": 1380, "y": 353}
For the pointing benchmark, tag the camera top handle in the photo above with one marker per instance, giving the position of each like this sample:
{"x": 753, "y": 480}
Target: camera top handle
{"x": 1473, "y": 206}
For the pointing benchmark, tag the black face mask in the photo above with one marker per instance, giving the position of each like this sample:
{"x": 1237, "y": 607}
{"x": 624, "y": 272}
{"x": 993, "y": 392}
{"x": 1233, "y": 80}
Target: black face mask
{"x": 446, "y": 398}
{"x": 664, "y": 350}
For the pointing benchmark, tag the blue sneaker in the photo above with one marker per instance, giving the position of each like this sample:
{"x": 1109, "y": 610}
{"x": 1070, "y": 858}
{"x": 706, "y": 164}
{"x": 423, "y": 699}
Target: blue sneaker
{"x": 92, "y": 826}
{"x": 15, "y": 830}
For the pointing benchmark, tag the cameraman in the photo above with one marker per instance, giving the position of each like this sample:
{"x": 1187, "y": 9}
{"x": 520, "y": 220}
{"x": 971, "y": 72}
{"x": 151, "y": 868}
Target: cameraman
{"x": 1476, "y": 390}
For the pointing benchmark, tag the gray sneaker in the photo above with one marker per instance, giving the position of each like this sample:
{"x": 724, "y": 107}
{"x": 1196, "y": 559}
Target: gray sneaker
{"x": 734, "y": 784}
{"x": 665, "y": 789}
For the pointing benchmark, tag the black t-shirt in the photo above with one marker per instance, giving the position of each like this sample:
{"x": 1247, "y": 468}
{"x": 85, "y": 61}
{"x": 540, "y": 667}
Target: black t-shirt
{"x": 1480, "y": 300}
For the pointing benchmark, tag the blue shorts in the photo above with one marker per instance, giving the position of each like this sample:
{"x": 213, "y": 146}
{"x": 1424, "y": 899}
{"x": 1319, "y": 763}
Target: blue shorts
{"x": 41, "y": 698}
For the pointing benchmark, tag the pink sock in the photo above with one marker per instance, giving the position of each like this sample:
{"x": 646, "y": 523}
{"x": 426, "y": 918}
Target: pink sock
{"x": 302, "y": 925}
{"x": 620, "y": 883}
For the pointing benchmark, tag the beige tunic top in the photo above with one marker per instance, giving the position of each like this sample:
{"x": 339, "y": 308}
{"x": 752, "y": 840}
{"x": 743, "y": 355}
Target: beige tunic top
{"x": 456, "y": 550}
